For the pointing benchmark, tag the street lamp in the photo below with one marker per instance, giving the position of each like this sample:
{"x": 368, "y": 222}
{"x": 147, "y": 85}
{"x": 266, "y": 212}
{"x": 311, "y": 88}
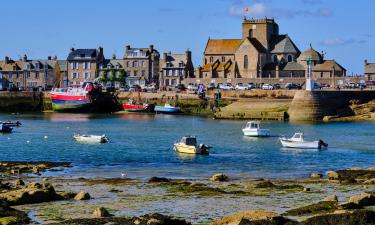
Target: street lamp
{"x": 309, "y": 81}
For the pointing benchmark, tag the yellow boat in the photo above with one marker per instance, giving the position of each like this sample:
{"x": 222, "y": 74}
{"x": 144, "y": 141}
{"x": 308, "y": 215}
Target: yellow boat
{"x": 188, "y": 145}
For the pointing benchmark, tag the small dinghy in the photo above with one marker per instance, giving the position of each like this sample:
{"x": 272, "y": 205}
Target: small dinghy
{"x": 253, "y": 129}
{"x": 11, "y": 123}
{"x": 298, "y": 141}
{"x": 91, "y": 139}
{"x": 189, "y": 145}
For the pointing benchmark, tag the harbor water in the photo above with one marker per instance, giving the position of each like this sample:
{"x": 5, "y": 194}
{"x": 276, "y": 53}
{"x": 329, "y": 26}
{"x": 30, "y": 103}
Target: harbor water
{"x": 141, "y": 146}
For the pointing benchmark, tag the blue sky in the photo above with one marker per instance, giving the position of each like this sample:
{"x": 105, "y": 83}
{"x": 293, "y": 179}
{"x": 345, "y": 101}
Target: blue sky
{"x": 343, "y": 29}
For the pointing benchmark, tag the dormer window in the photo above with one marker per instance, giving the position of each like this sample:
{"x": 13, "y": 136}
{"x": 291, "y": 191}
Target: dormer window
{"x": 37, "y": 66}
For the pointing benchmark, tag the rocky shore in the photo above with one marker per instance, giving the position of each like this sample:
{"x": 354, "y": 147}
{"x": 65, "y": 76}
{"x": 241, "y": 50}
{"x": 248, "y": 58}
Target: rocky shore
{"x": 337, "y": 197}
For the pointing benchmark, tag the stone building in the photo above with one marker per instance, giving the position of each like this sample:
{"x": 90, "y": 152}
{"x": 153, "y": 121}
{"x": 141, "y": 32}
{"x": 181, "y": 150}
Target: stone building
{"x": 262, "y": 53}
{"x": 29, "y": 74}
{"x": 114, "y": 71}
{"x": 369, "y": 70}
{"x": 174, "y": 68}
{"x": 83, "y": 64}
{"x": 141, "y": 65}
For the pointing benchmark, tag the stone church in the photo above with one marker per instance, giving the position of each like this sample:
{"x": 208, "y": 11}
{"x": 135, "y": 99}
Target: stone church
{"x": 262, "y": 53}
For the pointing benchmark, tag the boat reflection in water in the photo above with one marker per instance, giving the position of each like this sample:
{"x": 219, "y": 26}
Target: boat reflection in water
{"x": 68, "y": 117}
{"x": 137, "y": 116}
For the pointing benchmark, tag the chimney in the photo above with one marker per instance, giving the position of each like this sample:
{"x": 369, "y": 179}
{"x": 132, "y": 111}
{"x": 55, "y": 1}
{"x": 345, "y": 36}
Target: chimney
{"x": 127, "y": 47}
{"x": 165, "y": 55}
{"x": 72, "y": 50}
{"x": 151, "y": 48}
{"x": 188, "y": 55}
{"x": 6, "y": 60}
{"x": 100, "y": 49}
{"x": 24, "y": 58}
{"x": 49, "y": 57}
{"x": 55, "y": 57}
{"x": 366, "y": 62}
{"x": 114, "y": 56}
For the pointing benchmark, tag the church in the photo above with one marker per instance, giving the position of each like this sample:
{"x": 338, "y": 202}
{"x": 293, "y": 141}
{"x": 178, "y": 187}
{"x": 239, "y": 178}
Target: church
{"x": 262, "y": 53}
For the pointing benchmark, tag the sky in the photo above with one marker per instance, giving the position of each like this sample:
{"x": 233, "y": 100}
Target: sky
{"x": 39, "y": 28}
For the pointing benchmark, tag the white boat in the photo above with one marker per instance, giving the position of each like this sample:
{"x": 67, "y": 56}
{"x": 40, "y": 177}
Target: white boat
{"x": 297, "y": 141}
{"x": 189, "y": 145}
{"x": 253, "y": 129}
{"x": 91, "y": 139}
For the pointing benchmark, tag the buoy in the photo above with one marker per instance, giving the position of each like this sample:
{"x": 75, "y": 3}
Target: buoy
{"x": 45, "y": 137}
{"x": 27, "y": 141}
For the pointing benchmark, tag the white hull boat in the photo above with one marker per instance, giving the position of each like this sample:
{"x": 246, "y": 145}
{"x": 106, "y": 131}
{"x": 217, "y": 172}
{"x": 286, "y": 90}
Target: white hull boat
{"x": 297, "y": 141}
{"x": 253, "y": 129}
{"x": 188, "y": 145}
{"x": 90, "y": 139}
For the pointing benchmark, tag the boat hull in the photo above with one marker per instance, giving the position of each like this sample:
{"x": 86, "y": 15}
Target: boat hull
{"x": 256, "y": 132}
{"x": 168, "y": 110}
{"x": 188, "y": 149}
{"x": 302, "y": 145}
{"x": 136, "y": 108}
{"x": 90, "y": 139}
{"x": 65, "y": 102}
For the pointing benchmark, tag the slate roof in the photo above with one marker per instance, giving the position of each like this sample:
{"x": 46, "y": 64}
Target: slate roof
{"x": 293, "y": 66}
{"x": 370, "y": 68}
{"x": 283, "y": 44}
{"x": 112, "y": 63}
{"x": 311, "y": 53}
{"x": 43, "y": 64}
{"x": 222, "y": 46}
{"x": 79, "y": 54}
{"x": 175, "y": 59}
{"x": 328, "y": 65}
{"x": 63, "y": 65}
{"x": 10, "y": 66}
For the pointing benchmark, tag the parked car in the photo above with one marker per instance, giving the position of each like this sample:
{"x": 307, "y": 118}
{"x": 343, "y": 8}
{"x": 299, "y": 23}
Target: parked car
{"x": 251, "y": 86}
{"x": 180, "y": 87}
{"x": 350, "y": 85}
{"x": 317, "y": 86}
{"x": 226, "y": 87}
{"x": 241, "y": 87}
{"x": 135, "y": 88}
{"x": 276, "y": 86}
{"x": 211, "y": 86}
{"x": 192, "y": 87}
{"x": 124, "y": 88}
{"x": 291, "y": 86}
{"x": 325, "y": 85}
{"x": 150, "y": 88}
{"x": 267, "y": 87}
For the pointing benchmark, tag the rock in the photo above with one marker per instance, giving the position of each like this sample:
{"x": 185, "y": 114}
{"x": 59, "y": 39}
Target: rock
{"x": 265, "y": 184}
{"x": 332, "y": 175}
{"x": 369, "y": 181}
{"x": 35, "y": 170}
{"x": 331, "y": 198}
{"x": 363, "y": 199}
{"x": 349, "y": 205}
{"x": 101, "y": 212}
{"x": 306, "y": 189}
{"x": 219, "y": 177}
{"x": 34, "y": 185}
{"x": 245, "y": 217}
{"x": 82, "y": 196}
{"x": 158, "y": 180}
{"x": 348, "y": 181}
{"x": 358, "y": 217}
{"x": 317, "y": 208}
{"x": 316, "y": 175}
{"x": 19, "y": 182}
{"x": 67, "y": 195}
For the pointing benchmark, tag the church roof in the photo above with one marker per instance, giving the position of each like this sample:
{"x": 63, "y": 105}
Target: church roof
{"x": 283, "y": 44}
{"x": 222, "y": 46}
{"x": 328, "y": 65}
{"x": 257, "y": 45}
{"x": 312, "y": 54}
{"x": 293, "y": 66}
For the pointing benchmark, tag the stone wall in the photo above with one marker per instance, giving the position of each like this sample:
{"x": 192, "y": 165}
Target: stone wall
{"x": 21, "y": 101}
{"x": 313, "y": 106}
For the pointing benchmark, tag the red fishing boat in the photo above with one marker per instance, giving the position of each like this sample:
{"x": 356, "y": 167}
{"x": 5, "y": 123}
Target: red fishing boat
{"x": 131, "y": 106}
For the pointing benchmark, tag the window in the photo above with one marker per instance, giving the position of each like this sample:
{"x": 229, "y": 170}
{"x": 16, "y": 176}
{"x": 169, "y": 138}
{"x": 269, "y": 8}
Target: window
{"x": 10, "y": 75}
{"x": 143, "y": 73}
{"x": 223, "y": 58}
{"x": 205, "y": 60}
{"x": 36, "y": 75}
{"x": 211, "y": 59}
{"x": 127, "y": 63}
{"x": 117, "y": 74}
{"x": 17, "y": 75}
{"x": 28, "y": 74}
{"x": 74, "y": 65}
{"x": 75, "y": 75}
{"x": 37, "y": 66}
{"x": 290, "y": 58}
{"x": 127, "y": 73}
{"x": 245, "y": 62}
{"x": 135, "y": 73}
{"x": 251, "y": 33}
{"x": 86, "y": 65}
{"x": 135, "y": 63}
{"x": 28, "y": 66}
{"x": 87, "y": 75}
{"x": 321, "y": 74}
{"x": 275, "y": 58}
{"x": 18, "y": 84}
{"x": 143, "y": 64}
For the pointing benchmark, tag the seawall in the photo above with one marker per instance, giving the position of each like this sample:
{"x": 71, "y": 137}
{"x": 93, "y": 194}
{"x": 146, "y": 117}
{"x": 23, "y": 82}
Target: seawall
{"x": 21, "y": 101}
{"x": 315, "y": 105}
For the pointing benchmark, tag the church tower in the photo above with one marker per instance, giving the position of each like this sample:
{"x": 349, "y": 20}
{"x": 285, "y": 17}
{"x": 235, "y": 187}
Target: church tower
{"x": 261, "y": 29}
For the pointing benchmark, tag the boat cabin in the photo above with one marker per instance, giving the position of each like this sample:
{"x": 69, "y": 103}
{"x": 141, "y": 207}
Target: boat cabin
{"x": 189, "y": 140}
{"x": 297, "y": 137}
{"x": 253, "y": 125}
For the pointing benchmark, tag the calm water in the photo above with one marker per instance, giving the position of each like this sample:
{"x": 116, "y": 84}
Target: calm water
{"x": 141, "y": 146}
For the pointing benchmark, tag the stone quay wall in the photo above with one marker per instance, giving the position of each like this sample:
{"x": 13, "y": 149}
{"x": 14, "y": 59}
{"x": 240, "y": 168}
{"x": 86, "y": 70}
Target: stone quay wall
{"x": 21, "y": 101}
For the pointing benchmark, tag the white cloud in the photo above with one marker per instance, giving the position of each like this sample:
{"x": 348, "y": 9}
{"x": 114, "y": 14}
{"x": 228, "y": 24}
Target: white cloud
{"x": 261, "y": 9}
{"x": 341, "y": 41}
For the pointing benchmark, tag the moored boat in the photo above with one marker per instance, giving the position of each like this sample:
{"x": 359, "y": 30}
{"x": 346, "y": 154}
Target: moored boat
{"x": 5, "y": 129}
{"x": 167, "y": 108}
{"x": 253, "y": 129}
{"x": 11, "y": 123}
{"x": 71, "y": 98}
{"x": 131, "y": 106}
{"x": 298, "y": 141}
{"x": 189, "y": 145}
{"x": 91, "y": 139}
